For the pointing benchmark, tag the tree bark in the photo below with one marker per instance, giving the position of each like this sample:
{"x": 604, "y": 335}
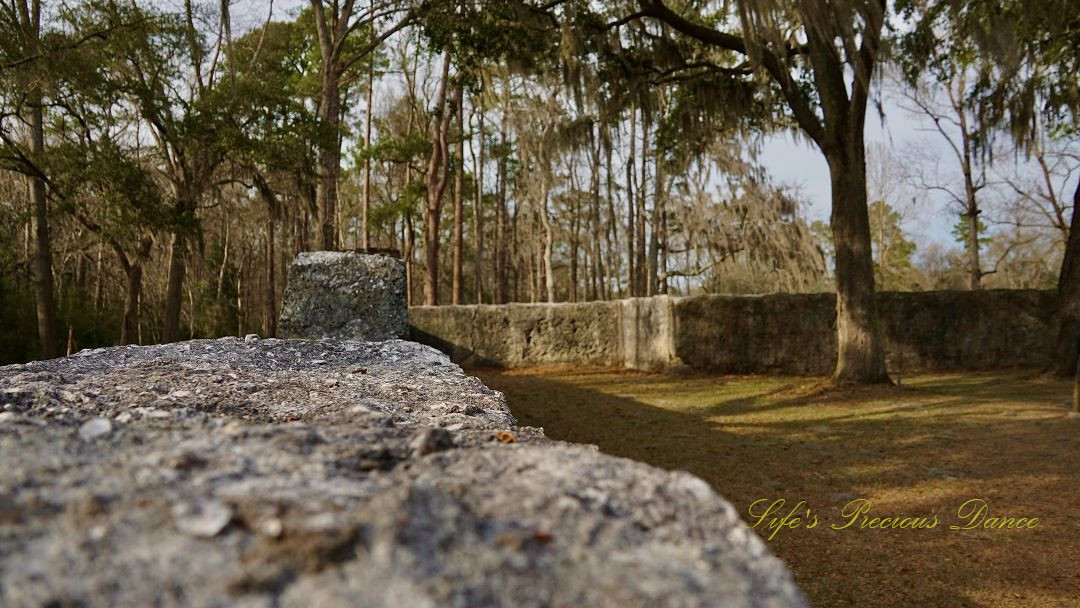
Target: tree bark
{"x": 653, "y": 278}
{"x": 631, "y": 233}
{"x": 478, "y": 211}
{"x": 548, "y": 244}
{"x": 612, "y": 238}
{"x": 270, "y": 326}
{"x": 438, "y": 171}
{"x": 329, "y": 159}
{"x": 129, "y": 329}
{"x": 500, "y": 218}
{"x": 133, "y": 272}
{"x": 366, "y": 239}
{"x": 44, "y": 296}
{"x": 1076, "y": 391}
{"x": 640, "y": 266}
{"x": 596, "y": 287}
{"x": 410, "y": 240}
{"x": 457, "y": 284}
{"x": 861, "y": 353}
{"x": 99, "y": 280}
{"x": 174, "y": 288}
{"x": 1068, "y": 298}
{"x": 575, "y": 227}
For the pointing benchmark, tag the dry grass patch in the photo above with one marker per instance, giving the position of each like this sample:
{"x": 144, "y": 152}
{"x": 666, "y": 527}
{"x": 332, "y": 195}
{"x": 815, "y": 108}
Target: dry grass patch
{"x": 919, "y": 450}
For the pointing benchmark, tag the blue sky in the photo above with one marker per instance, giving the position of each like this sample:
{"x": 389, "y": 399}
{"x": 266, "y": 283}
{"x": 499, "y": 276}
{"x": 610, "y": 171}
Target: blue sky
{"x": 801, "y": 164}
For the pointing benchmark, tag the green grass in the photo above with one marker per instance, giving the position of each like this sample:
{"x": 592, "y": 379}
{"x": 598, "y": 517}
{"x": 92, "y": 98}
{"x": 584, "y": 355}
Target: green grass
{"x": 920, "y": 449}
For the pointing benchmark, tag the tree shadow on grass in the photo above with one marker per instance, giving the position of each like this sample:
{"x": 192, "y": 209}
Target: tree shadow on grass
{"x": 921, "y": 450}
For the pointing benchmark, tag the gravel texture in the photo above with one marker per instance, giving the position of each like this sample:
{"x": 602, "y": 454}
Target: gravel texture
{"x": 256, "y": 472}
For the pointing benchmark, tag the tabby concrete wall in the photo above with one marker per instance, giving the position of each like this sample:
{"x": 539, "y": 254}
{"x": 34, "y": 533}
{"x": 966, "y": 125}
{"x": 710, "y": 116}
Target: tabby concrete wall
{"x": 779, "y": 333}
{"x": 634, "y": 333}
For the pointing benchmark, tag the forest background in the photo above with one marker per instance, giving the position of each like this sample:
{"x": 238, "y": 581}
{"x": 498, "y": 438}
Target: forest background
{"x": 161, "y": 163}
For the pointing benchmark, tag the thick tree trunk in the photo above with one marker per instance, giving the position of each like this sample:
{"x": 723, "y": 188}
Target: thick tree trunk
{"x": 329, "y": 161}
{"x": 1068, "y": 298}
{"x": 861, "y": 353}
{"x": 44, "y": 297}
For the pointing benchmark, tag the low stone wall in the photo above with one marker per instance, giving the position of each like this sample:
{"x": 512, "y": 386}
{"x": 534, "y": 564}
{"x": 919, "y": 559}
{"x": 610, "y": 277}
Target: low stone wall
{"x": 632, "y": 333}
{"x": 336, "y": 473}
{"x": 779, "y": 333}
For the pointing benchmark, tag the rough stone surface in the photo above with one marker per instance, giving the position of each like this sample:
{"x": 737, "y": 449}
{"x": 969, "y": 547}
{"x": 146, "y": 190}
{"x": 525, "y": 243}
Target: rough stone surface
{"x": 329, "y": 473}
{"x": 780, "y": 333}
{"x": 344, "y": 294}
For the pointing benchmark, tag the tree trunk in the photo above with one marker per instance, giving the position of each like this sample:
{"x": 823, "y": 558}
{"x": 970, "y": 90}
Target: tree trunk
{"x": 438, "y": 171}
{"x": 129, "y": 329}
{"x": 653, "y": 278}
{"x": 410, "y": 240}
{"x": 44, "y": 297}
{"x": 478, "y": 210}
{"x": 458, "y": 285}
{"x": 500, "y": 221}
{"x": 967, "y": 167}
{"x": 1068, "y": 297}
{"x": 972, "y": 214}
{"x": 664, "y": 249}
{"x": 365, "y": 241}
{"x": 612, "y": 239}
{"x": 640, "y": 264}
{"x": 631, "y": 233}
{"x": 861, "y": 353}
{"x": 596, "y": 285}
{"x": 174, "y": 288}
{"x": 329, "y": 161}
{"x": 1076, "y": 391}
{"x": 133, "y": 272}
{"x": 270, "y": 327}
{"x": 575, "y": 224}
{"x": 548, "y": 244}
{"x": 99, "y": 280}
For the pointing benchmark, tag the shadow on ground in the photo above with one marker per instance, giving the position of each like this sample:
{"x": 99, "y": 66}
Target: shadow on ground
{"x": 920, "y": 450}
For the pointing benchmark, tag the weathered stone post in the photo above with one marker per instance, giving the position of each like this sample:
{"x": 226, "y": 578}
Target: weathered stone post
{"x": 344, "y": 295}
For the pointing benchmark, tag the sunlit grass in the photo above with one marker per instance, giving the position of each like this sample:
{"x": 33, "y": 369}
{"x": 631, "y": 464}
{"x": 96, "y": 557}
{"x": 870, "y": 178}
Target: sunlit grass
{"x": 920, "y": 448}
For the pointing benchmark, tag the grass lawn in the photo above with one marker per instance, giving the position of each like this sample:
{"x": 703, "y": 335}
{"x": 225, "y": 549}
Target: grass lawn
{"x": 919, "y": 450}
